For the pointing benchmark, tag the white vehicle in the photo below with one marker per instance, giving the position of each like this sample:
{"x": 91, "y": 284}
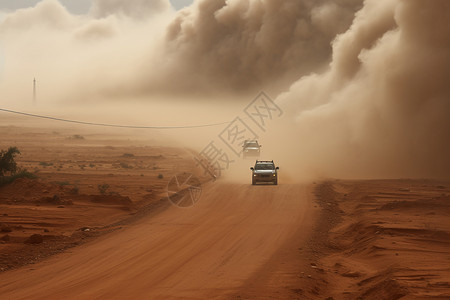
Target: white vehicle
{"x": 264, "y": 171}
{"x": 251, "y": 148}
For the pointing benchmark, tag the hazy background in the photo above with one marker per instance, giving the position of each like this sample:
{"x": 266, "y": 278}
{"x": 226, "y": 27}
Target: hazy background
{"x": 363, "y": 84}
{"x": 74, "y": 6}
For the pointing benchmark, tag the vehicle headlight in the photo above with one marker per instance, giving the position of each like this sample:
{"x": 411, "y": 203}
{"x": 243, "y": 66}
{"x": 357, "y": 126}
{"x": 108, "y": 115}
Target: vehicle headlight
{"x": 254, "y": 175}
{"x": 275, "y": 174}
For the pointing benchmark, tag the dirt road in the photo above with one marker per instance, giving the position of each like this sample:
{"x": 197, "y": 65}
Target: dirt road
{"x": 234, "y": 242}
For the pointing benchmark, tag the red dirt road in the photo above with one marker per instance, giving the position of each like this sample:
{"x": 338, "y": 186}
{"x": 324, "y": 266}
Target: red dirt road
{"x": 234, "y": 235}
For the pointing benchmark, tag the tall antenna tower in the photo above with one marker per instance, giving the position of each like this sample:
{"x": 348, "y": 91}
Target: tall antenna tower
{"x": 34, "y": 91}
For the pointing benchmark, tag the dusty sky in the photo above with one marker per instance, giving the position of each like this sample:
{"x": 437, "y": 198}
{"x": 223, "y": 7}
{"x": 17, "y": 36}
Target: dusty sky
{"x": 363, "y": 84}
{"x": 74, "y": 6}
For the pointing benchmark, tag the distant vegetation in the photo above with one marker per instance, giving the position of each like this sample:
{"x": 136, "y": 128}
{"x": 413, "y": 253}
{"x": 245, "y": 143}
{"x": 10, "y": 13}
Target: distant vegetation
{"x": 45, "y": 164}
{"x": 8, "y": 164}
{"x": 62, "y": 183}
{"x": 125, "y": 165}
{"x": 78, "y": 137}
{"x": 102, "y": 188}
{"x": 8, "y": 167}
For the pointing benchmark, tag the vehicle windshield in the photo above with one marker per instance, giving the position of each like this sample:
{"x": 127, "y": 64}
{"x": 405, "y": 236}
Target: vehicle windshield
{"x": 251, "y": 145}
{"x": 264, "y": 167}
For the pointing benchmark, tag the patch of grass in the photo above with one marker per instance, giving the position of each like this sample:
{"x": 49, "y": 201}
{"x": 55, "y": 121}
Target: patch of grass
{"x": 125, "y": 165}
{"x": 103, "y": 188}
{"x": 62, "y": 183}
{"x": 78, "y": 137}
{"x": 75, "y": 190}
{"x": 45, "y": 164}
{"x": 4, "y": 180}
{"x": 160, "y": 176}
{"x": 128, "y": 155}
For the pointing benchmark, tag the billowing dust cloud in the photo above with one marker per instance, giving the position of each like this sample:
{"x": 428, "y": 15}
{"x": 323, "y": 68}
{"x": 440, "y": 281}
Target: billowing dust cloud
{"x": 363, "y": 83}
{"x": 252, "y": 44}
{"x": 140, "y": 48}
{"x": 382, "y": 109}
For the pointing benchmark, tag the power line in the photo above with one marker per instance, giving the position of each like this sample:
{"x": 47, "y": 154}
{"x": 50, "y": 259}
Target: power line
{"x": 109, "y": 125}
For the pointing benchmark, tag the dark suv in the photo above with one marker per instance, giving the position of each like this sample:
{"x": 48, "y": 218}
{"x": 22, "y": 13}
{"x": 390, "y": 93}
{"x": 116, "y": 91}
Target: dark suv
{"x": 264, "y": 171}
{"x": 251, "y": 148}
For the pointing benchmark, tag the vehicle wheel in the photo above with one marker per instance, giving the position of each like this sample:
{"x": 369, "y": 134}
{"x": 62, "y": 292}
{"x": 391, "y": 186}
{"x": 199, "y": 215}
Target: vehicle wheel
{"x": 276, "y": 182}
{"x": 253, "y": 182}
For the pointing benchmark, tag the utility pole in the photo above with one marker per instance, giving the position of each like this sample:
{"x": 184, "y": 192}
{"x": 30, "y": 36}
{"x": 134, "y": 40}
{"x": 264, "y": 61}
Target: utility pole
{"x": 34, "y": 91}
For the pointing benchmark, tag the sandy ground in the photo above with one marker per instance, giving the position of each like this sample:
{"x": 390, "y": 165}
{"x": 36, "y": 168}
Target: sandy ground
{"x": 87, "y": 184}
{"x": 387, "y": 239}
{"x": 202, "y": 253}
{"x": 106, "y": 194}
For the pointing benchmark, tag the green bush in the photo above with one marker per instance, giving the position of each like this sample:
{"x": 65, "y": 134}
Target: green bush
{"x": 7, "y": 163}
{"x": 8, "y": 167}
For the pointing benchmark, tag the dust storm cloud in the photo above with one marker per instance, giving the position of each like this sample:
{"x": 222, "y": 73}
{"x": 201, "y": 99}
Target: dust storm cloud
{"x": 141, "y": 48}
{"x": 78, "y": 58}
{"x": 363, "y": 83}
{"x": 383, "y": 107}
{"x": 250, "y": 45}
